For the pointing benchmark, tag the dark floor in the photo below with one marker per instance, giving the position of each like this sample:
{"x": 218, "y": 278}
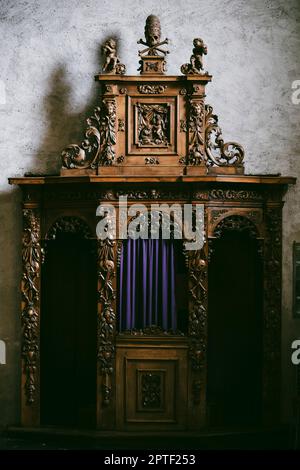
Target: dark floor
{"x": 17, "y": 439}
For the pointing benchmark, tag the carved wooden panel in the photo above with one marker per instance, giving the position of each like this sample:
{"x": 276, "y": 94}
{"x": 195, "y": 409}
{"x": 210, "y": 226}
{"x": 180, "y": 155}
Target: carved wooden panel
{"x": 152, "y": 390}
{"x": 30, "y": 315}
{"x": 152, "y": 127}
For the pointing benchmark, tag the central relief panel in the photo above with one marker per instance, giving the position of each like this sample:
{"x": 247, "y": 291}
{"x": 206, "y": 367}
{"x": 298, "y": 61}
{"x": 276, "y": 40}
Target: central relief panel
{"x": 152, "y": 125}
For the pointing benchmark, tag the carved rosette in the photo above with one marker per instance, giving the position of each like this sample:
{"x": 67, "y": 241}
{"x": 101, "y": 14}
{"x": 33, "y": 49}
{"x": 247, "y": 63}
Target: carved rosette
{"x": 30, "y": 287}
{"x": 97, "y": 148}
{"x": 272, "y": 311}
{"x": 106, "y": 314}
{"x": 217, "y": 152}
{"x": 197, "y": 261}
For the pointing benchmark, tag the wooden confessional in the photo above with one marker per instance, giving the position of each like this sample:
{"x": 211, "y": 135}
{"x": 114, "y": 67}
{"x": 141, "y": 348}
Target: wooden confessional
{"x": 215, "y": 362}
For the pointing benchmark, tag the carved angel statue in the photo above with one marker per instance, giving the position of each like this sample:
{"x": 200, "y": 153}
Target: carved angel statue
{"x": 196, "y": 61}
{"x": 112, "y": 62}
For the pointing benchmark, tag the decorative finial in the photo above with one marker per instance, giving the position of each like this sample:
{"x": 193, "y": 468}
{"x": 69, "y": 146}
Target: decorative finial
{"x": 152, "y": 58}
{"x": 153, "y": 37}
{"x": 195, "y": 67}
{"x": 112, "y": 62}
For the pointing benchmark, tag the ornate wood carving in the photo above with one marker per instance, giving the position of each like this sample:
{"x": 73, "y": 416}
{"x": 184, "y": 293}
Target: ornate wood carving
{"x": 151, "y": 390}
{"x": 152, "y": 89}
{"x": 237, "y": 223}
{"x": 272, "y": 313}
{"x": 219, "y": 153}
{"x": 152, "y": 57}
{"x": 121, "y": 125}
{"x": 69, "y": 224}
{"x": 30, "y": 287}
{"x": 106, "y": 314}
{"x": 198, "y": 320}
{"x": 152, "y": 193}
{"x": 152, "y": 330}
{"x": 98, "y": 146}
{"x": 153, "y": 124}
{"x": 195, "y": 67}
{"x": 112, "y": 62}
{"x": 151, "y": 161}
{"x": 196, "y": 141}
{"x": 234, "y": 194}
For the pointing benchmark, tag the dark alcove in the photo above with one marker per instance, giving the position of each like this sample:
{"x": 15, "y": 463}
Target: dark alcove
{"x": 68, "y": 332}
{"x": 235, "y": 331}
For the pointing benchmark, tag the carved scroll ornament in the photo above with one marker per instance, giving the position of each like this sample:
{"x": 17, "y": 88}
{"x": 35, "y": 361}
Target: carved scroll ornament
{"x": 219, "y": 153}
{"x": 100, "y": 138}
{"x": 30, "y": 299}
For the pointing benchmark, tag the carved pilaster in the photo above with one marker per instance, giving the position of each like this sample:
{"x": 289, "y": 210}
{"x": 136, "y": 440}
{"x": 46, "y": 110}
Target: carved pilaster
{"x": 30, "y": 316}
{"x": 106, "y": 328}
{"x": 197, "y": 262}
{"x": 272, "y": 314}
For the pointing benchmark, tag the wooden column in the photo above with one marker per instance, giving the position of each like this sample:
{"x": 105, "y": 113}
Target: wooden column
{"x": 106, "y": 328}
{"x": 272, "y": 313}
{"x": 30, "y": 315}
{"x": 197, "y": 333}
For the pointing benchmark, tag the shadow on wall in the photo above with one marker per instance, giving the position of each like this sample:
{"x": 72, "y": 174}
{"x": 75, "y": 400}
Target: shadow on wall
{"x": 10, "y": 325}
{"x": 63, "y": 127}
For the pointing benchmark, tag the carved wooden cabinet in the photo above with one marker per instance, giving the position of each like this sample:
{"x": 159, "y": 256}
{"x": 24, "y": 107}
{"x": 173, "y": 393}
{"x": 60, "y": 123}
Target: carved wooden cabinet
{"x": 155, "y": 141}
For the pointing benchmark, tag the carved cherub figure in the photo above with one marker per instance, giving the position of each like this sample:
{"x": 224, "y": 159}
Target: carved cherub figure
{"x": 196, "y": 61}
{"x": 112, "y": 62}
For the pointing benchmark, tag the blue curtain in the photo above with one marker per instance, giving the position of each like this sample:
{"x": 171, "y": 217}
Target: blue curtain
{"x": 146, "y": 293}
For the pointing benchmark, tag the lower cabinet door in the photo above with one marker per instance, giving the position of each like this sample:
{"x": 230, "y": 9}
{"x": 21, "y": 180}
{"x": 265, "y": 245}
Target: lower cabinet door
{"x": 151, "y": 387}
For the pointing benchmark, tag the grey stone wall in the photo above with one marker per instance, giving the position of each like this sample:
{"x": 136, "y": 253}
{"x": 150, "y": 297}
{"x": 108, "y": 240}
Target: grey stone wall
{"x": 50, "y": 51}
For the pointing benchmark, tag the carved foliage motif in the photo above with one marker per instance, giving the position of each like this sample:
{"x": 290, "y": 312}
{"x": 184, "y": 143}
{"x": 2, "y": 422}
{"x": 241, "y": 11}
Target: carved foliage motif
{"x": 237, "y": 223}
{"x": 69, "y": 224}
{"x": 272, "y": 300}
{"x": 106, "y": 314}
{"x": 98, "y": 146}
{"x": 219, "y": 153}
{"x": 151, "y": 89}
{"x": 151, "y": 390}
{"x": 153, "y": 124}
{"x": 198, "y": 317}
{"x": 30, "y": 301}
{"x": 233, "y": 194}
{"x": 152, "y": 330}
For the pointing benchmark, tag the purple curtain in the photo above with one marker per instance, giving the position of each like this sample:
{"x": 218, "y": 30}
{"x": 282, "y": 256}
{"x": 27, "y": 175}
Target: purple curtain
{"x": 146, "y": 294}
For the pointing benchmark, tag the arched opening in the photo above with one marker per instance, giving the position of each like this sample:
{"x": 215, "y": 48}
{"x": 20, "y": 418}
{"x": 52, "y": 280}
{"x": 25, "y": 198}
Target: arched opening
{"x": 235, "y": 322}
{"x": 68, "y": 326}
